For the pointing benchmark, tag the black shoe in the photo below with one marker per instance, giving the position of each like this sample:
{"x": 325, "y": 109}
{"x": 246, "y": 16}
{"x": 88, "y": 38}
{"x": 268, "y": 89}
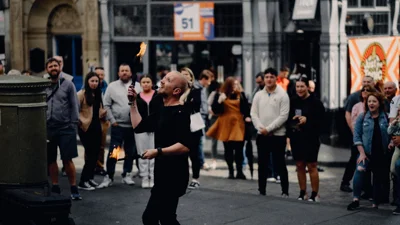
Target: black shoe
{"x": 346, "y": 188}
{"x": 302, "y": 195}
{"x": 56, "y": 189}
{"x": 75, "y": 193}
{"x": 354, "y": 205}
{"x": 320, "y": 169}
{"x": 240, "y": 176}
{"x": 263, "y": 193}
{"x": 396, "y": 211}
{"x": 314, "y": 197}
{"x": 231, "y": 176}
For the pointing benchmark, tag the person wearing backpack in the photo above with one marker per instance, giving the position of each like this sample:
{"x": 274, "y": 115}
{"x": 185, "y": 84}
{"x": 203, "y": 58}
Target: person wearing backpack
{"x": 62, "y": 120}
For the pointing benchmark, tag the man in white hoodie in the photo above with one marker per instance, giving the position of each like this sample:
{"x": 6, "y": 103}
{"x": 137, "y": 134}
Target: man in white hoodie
{"x": 269, "y": 113}
{"x": 122, "y": 133}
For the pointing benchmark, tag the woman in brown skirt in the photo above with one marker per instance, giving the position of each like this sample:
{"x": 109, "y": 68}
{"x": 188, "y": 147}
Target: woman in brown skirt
{"x": 233, "y": 110}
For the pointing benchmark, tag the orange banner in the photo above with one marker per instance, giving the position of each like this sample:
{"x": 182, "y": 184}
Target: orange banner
{"x": 376, "y": 57}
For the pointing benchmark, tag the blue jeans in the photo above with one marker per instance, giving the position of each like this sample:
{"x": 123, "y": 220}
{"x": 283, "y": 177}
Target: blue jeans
{"x": 122, "y": 136}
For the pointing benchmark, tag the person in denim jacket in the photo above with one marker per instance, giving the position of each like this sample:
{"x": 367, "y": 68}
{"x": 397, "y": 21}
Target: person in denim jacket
{"x": 372, "y": 140}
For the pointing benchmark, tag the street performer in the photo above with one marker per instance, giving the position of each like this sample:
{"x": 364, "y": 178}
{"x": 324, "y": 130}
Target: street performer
{"x": 171, "y": 126}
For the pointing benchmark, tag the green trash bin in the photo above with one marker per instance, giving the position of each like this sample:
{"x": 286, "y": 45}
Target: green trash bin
{"x": 23, "y": 141}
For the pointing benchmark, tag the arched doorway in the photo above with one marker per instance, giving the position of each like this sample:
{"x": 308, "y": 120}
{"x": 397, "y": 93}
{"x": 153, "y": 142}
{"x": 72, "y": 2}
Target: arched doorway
{"x": 65, "y": 39}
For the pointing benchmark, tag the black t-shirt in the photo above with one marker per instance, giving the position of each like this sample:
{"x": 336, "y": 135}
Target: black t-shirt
{"x": 352, "y": 100}
{"x": 171, "y": 125}
{"x": 377, "y": 151}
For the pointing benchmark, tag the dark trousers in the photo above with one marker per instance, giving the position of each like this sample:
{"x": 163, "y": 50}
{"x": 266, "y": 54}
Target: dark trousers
{"x": 161, "y": 209}
{"x": 275, "y": 145}
{"x": 229, "y": 148}
{"x": 91, "y": 140}
{"x": 194, "y": 157}
{"x": 122, "y": 136}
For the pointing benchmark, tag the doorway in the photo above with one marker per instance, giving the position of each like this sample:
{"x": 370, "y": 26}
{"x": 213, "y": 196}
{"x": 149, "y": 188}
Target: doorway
{"x": 70, "y": 48}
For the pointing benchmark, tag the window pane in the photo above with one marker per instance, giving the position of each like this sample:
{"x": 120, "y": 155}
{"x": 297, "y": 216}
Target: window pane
{"x": 162, "y": 20}
{"x": 352, "y": 3}
{"x": 368, "y": 3}
{"x": 130, "y": 20}
{"x": 354, "y": 24}
{"x": 381, "y": 2}
{"x": 228, "y": 20}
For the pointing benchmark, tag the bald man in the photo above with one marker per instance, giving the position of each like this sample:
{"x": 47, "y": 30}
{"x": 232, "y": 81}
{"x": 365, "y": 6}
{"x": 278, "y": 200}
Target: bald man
{"x": 62, "y": 74}
{"x": 390, "y": 89}
{"x": 170, "y": 123}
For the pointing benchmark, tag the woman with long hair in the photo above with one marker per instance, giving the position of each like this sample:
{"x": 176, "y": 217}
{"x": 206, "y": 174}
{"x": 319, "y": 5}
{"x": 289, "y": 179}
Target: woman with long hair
{"x": 192, "y": 101}
{"x": 91, "y": 111}
{"x": 233, "y": 110}
{"x": 305, "y": 118}
{"x": 372, "y": 140}
{"x": 145, "y": 140}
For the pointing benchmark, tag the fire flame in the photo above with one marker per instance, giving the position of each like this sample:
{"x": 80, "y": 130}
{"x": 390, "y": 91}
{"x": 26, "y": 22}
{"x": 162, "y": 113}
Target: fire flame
{"x": 142, "y": 51}
{"x": 115, "y": 152}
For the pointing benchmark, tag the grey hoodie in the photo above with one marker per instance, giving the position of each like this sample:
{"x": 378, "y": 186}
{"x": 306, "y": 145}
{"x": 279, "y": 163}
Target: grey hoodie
{"x": 116, "y": 102}
{"x": 62, "y": 108}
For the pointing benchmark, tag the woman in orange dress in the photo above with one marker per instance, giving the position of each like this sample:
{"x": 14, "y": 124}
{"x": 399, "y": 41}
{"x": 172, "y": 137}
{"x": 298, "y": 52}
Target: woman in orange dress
{"x": 232, "y": 108}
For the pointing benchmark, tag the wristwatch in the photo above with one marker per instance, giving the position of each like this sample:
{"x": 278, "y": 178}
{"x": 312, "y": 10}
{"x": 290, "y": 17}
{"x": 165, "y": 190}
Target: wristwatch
{"x": 159, "y": 151}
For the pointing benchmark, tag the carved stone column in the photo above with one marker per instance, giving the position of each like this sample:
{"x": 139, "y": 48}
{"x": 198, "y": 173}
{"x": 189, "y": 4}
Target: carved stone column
{"x": 395, "y": 22}
{"x": 16, "y": 35}
{"x": 329, "y": 51}
{"x": 105, "y": 39}
{"x": 91, "y": 35}
{"x": 343, "y": 55}
{"x": 262, "y": 31}
{"x": 247, "y": 47}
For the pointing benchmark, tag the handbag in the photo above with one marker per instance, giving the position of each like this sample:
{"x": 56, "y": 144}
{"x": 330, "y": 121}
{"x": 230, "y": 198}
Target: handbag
{"x": 196, "y": 122}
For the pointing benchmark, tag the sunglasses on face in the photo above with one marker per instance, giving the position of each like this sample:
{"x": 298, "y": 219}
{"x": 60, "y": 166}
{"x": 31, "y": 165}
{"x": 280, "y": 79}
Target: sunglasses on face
{"x": 364, "y": 89}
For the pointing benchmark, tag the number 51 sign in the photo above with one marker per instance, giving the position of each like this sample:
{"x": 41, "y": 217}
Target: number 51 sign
{"x": 194, "y": 21}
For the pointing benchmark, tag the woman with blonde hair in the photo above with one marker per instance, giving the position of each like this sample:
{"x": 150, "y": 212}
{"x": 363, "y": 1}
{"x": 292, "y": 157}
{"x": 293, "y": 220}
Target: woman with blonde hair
{"x": 191, "y": 99}
{"x": 233, "y": 110}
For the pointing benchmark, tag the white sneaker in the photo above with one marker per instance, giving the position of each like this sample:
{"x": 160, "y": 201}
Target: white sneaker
{"x": 145, "y": 182}
{"x": 107, "y": 182}
{"x": 151, "y": 182}
{"x": 86, "y": 186}
{"x": 214, "y": 165}
{"x": 271, "y": 179}
{"x": 278, "y": 180}
{"x": 128, "y": 179}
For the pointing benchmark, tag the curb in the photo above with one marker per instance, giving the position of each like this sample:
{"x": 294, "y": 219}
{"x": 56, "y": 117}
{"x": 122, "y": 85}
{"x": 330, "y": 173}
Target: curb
{"x": 220, "y": 156}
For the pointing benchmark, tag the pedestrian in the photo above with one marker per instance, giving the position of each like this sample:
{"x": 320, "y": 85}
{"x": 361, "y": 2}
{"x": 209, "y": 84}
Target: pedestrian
{"x": 394, "y": 132}
{"x": 212, "y": 118}
{"x": 233, "y": 111}
{"x": 351, "y": 100}
{"x": 171, "y": 126}
{"x": 191, "y": 99}
{"x": 304, "y": 125}
{"x": 145, "y": 140}
{"x": 105, "y": 124}
{"x": 372, "y": 141}
{"x": 62, "y": 119}
{"x": 269, "y": 112}
{"x": 122, "y": 133}
{"x": 91, "y": 112}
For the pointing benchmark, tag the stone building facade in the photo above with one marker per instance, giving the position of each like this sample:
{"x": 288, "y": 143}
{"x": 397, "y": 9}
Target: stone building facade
{"x": 35, "y": 24}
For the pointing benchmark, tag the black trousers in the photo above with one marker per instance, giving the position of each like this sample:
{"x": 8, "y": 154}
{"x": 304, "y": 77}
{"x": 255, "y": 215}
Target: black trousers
{"x": 161, "y": 209}
{"x": 275, "y": 145}
{"x": 91, "y": 140}
{"x": 229, "y": 148}
{"x": 194, "y": 156}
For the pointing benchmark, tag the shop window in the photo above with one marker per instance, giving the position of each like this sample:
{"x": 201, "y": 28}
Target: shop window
{"x": 228, "y": 20}
{"x": 367, "y": 3}
{"x": 162, "y": 20}
{"x": 354, "y": 24}
{"x": 130, "y": 20}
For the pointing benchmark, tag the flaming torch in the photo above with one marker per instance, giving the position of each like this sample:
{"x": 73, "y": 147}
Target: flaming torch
{"x": 142, "y": 51}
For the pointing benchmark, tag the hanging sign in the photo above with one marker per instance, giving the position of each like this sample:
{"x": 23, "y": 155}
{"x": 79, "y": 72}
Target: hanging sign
{"x": 194, "y": 21}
